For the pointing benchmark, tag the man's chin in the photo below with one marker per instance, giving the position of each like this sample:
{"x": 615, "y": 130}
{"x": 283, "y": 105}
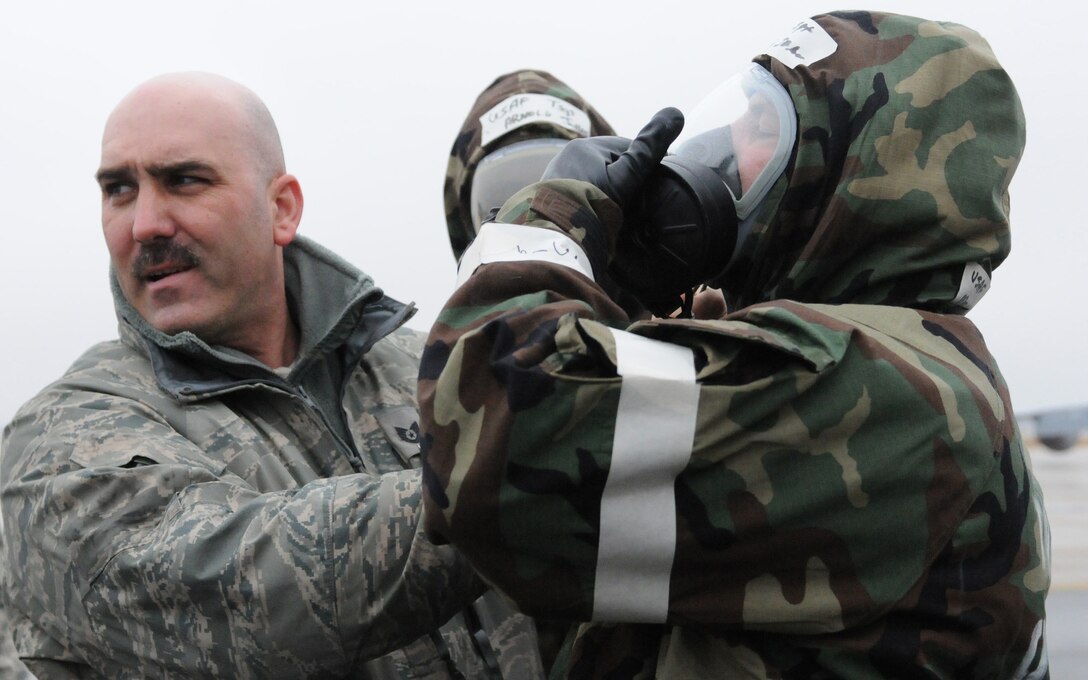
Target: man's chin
{"x": 172, "y": 310}
{"x": 173, "y": 320}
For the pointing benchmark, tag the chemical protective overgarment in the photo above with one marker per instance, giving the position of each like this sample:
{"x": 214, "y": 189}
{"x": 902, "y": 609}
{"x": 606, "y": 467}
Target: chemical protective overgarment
{"x": 829, "y": 481}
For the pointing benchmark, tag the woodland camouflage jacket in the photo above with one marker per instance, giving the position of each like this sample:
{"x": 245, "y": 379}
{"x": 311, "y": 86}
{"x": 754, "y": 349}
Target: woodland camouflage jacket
{"x": 179, "y": 510}
{"x": 828, "y": 481}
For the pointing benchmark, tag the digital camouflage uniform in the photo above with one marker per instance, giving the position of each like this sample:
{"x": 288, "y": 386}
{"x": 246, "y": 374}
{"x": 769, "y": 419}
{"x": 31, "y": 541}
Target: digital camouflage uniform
{"x": 11, "y": 668}
{"x": 828, "y": 481}
{"x": 179, "y": 510}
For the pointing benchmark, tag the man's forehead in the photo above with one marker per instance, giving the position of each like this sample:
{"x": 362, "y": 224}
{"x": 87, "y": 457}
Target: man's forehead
{"x": 177, "y": 118}
{"x": 176, "y": 107}
{"x": 164, "y": 131}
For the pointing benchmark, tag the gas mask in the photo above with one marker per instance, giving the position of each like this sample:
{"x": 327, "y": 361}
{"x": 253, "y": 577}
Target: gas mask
{"x": 684, "y": 228}
{"x": 505, "y": 171}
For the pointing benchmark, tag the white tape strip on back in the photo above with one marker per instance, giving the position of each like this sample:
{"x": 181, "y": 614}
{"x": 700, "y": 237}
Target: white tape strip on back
{"x": 655, "y": 430}
{"x": 498, "y": 242}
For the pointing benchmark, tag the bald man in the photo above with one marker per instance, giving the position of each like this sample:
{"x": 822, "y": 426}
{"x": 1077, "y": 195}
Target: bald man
{"x": 230, "y": 488}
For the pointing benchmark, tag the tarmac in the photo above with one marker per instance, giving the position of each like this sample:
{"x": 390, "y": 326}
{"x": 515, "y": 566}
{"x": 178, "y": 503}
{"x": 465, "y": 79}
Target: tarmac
{"x": 1063, "y": 476}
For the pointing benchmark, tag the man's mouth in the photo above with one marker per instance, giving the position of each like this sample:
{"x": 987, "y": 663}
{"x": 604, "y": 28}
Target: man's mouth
{"x": 160, "y": 274}
{"x": 160, "y": 259}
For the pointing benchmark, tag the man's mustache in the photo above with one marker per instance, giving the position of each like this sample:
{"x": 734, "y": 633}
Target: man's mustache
{"x": 159, "y": 252}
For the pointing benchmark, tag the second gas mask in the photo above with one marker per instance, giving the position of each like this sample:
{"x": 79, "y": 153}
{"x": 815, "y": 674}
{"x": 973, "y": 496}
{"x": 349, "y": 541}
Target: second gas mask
{"x": 689, "y": 219}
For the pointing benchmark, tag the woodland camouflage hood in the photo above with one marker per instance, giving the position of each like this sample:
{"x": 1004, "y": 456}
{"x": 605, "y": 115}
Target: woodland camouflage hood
{"x": 470, "y": 146}
{"x": 908, "y": 136}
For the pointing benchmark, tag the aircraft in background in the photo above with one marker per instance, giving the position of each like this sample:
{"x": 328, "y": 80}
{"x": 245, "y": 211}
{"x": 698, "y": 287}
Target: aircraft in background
{"x": 1057, "y": 429}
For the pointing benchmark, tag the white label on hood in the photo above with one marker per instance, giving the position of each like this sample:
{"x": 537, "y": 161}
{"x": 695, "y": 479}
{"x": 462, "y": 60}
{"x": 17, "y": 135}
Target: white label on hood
{"x": 522, "y": 109}
{"x": 973, "y": 285}
{"x": 807, "y": 42}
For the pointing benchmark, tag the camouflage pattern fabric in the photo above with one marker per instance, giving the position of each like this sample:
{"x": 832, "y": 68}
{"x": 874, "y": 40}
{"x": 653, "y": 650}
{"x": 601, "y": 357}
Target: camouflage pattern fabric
{"x": 851, "y": 497}
{"x": 468, "y": 148}
{"x": 179, "y": 510}
{"x": 11, "y": 668}
{"x": 908, "y": 138}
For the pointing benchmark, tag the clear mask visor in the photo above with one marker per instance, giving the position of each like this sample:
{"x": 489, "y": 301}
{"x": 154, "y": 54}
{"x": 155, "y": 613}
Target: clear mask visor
{"x": 505, "y": 171}
{"x": 745, "y": 131}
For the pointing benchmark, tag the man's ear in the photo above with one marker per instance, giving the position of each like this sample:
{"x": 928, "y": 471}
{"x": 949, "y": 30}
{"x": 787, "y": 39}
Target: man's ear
{"x": 286, "y": 194}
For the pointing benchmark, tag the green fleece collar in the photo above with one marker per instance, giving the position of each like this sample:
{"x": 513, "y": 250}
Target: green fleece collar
{"x": 334, "y": 304}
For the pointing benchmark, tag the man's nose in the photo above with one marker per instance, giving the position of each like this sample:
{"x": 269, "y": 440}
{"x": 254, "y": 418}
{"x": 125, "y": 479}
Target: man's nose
{"x": 152, "y": 217}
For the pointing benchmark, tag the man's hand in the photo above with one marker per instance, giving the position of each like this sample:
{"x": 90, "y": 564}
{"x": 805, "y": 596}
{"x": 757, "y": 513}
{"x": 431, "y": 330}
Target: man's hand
{"x": 615, "y": 165}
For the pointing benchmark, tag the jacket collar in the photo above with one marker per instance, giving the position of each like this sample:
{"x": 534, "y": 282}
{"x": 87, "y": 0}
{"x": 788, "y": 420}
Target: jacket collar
{"x": 334, "y": 304}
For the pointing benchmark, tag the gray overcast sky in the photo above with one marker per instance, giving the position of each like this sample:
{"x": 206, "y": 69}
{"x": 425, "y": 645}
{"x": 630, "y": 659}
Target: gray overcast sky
{"x": 368, "y": 98}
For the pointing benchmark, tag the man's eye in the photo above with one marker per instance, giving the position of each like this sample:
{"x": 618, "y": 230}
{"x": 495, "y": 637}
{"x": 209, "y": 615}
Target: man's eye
{"x": 116, "y": 189}
{"x": 186, "y": 180}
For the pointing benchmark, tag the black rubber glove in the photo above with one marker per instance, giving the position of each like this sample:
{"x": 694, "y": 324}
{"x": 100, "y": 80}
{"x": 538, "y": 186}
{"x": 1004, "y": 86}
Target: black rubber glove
{"x": 615, "y": 165}
{"x": 621, "y": 169}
